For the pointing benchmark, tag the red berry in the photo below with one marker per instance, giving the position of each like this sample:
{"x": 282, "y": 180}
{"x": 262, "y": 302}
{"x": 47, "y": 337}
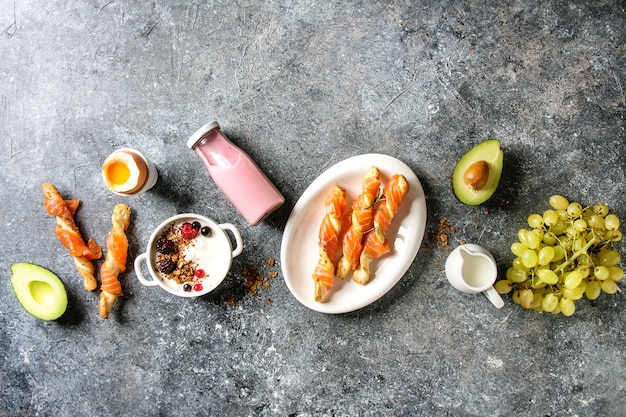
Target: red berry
{"x": 197, "y": 287}
{"x": 199, "y": 273}
{"x": 188, "y": 231}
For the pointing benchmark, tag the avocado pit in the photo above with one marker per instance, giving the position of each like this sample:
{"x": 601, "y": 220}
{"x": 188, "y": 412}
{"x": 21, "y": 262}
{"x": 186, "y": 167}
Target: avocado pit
{"x": 477, "y": 175}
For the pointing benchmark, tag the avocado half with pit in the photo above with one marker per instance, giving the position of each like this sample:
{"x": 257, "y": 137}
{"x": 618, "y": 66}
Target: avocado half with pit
{"x": 477, "y": 174}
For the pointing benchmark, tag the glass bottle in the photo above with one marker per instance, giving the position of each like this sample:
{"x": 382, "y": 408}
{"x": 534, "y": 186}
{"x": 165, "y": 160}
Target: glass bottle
{"x": 236, "y": 174}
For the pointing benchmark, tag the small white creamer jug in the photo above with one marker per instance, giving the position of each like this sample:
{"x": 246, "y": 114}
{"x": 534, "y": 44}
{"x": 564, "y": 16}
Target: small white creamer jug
{"x": 472, "y": 269}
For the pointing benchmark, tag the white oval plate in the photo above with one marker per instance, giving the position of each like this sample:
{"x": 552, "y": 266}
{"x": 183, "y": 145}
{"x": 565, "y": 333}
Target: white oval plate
{"x": 299, "y": 248}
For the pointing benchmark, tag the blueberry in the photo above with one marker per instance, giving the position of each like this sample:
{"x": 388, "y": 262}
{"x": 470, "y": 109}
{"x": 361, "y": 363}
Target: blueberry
{"x": 206, "y": 231}
{"x": 196, "y": 225}
{"x": 187, "y": 287}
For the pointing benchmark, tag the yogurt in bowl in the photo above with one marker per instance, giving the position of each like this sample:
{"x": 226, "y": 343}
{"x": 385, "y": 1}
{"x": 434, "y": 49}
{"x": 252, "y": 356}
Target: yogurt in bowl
{"x": 189, "y": 255}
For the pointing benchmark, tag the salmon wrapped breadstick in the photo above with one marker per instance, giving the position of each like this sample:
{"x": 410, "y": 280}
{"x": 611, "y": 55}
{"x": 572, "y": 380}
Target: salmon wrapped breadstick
{"x": 115, "y": 261}
{"x": 330, "y": 229}
{"x": 69, "y": 234}
{"x": 375, "y": 243}
{"x": 361, "y": 220}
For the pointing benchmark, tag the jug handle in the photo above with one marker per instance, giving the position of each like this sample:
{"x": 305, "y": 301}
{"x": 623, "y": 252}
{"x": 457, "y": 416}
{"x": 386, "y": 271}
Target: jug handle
{"x": 142, "y": 279}
{"x": 494, "y": 297}
{"x": 239, "y": 243}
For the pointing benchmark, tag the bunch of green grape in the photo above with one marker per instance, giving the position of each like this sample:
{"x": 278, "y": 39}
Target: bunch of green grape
{"x": 567, "y": 253}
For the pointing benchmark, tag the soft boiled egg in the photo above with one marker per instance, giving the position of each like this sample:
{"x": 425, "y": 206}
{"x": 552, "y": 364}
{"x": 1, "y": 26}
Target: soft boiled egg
{"x": 124, "y": 172}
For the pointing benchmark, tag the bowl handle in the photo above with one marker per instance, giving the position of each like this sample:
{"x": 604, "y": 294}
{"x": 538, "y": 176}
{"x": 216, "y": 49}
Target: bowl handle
{"x": 142, "y": 279}
{"x": 239, "y": 247}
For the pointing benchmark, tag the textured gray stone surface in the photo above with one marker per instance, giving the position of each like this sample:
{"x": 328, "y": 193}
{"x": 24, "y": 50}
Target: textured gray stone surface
{"x": 301, "y": 87}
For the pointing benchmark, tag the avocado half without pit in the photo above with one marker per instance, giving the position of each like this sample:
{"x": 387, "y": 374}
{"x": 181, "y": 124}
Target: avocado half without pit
{"x": 38, "y": 290}
{"x": 476, "y": 175}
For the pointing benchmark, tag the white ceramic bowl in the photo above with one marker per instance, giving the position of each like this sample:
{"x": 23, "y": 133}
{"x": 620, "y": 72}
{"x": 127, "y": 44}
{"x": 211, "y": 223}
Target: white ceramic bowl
{"x": 213, "y": 254}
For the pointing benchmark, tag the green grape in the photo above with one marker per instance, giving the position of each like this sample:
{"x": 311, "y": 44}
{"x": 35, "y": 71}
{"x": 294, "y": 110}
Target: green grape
{"x": 550, "y": 218}
{"x": 518, "y": 248}
{"x": 558, "y": 202}
{"x": 593, "y": 290}
{"x": 545, "y": 256}
{"x": 557, "y": 309}
{"x": 559, "y": 228}
{"x": 549, "y": 238}
{"x": 567, "y": 243}
{"x": 530, "y": 258}
{"x": 503, "y": 286}
{"x": 537, "y": 300}
{"x": 549, "y": 302}
{"x": 533, "y": 239}
{"x": 547, "y": 276}
{"x": 574, "y": 209}
{"x": 584, "y": 259}
{"x": 584, "y": 271}
{"x": 535, "y": 221}
{"x": 601, "y": 209}
{"x": 521, "y": 236}
{"x": 580, "y": 225}
{"x": 615, "y": 235}
{"x": 570, "y": 231}
{"x": 573, "y": 279}
{"x": 609, "y": 258}
{"x": 616, "y": 273}
{"x": 567, "y": 306}
{"x": 579, "y": 243}
{"x": 517, "y": 264}
{"x": 597, "y": 222}
{"x": 526, "y": 298}
{"x": 559, "y": 253}
{"x": 601, "y": 272}
{"x": 573, "y": 293}
{"x": 611, "y": 222}
{"x": 609, "y": 286}
{"x": 515, "y": 297}
{"x": 516, "y": 275}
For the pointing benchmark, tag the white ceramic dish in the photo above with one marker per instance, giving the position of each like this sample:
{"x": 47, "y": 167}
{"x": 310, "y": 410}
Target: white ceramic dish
{"x": 299, "y": 248}
{"x": 215, "y": 253}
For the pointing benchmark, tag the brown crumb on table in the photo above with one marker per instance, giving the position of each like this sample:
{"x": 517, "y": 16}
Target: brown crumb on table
{"x": 253, "y": 282}
{"x": 439, "y": 238}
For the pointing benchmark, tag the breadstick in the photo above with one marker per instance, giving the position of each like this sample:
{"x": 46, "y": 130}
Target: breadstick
{"x": 330, "y": 229}
{"x": 362, "y": 220}
{"x": 115, "y": 261}
{"x": 375, "y": 242}
{"x": 69, "y": 234}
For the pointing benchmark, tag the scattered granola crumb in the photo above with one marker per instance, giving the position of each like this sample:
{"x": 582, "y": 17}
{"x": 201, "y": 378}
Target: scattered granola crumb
{"x": 253, "y": 282}
{"x": 439, "y": 238}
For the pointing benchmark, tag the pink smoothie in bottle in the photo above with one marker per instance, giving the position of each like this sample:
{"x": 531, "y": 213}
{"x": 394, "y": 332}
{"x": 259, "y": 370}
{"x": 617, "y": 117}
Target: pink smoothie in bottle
{"x": 236, "y": 174}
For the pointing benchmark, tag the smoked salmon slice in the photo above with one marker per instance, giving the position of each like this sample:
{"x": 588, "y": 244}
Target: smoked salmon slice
{"x": 69, "y": 234}
{"x": 361, "y": 220}
{"x": 375, "y": 241}
{"x": 115, "y": 261}
{"x": 330, "y": 230}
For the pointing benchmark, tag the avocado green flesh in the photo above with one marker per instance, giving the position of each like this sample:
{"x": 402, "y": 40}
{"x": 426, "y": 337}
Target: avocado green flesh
{"x": 39, "y": 291}
{"x": 488, "y": 151}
